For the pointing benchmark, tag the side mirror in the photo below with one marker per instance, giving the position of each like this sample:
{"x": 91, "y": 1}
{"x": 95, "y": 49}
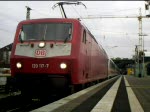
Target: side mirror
{"x": 21, "y": 37}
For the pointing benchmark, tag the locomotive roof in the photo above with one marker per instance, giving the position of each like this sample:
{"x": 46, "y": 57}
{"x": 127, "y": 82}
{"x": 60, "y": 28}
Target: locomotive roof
{"x": 52, "y": 19}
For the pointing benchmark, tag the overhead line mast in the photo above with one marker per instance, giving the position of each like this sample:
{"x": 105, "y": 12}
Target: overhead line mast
{"x": 140, "y": 29}
{"x": 28, "y": 13}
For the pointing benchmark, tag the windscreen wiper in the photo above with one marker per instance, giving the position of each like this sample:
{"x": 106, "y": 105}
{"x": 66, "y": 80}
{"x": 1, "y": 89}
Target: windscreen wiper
{"x": 69, "y": 35}
{"x": 67, "y": 38}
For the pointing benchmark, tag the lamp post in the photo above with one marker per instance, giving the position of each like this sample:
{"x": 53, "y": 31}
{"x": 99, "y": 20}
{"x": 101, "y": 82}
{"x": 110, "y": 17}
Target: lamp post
{"x": 110, "y": 47}
{"x": 114, "y": 46}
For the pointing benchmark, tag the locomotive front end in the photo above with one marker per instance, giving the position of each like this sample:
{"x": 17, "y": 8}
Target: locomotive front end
{"x": 41, "y": 55}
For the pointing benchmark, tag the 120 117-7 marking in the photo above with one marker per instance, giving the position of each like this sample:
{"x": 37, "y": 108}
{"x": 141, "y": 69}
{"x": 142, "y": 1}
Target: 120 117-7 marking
{"x": 40, "y": 65}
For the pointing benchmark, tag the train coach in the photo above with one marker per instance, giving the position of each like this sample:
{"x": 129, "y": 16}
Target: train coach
{"x": 55, "y": 55}
{"x": 113, "y": 70}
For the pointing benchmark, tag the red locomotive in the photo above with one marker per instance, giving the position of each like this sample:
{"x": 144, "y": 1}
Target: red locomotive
{"x": 56, "y": 54}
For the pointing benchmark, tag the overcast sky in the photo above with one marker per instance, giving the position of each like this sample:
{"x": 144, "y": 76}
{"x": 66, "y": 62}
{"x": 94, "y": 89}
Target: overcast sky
{"x": 118, "y": 36}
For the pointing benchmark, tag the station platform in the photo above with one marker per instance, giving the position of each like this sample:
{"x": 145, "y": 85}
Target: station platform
{"x": 141, "y": 89}
{"x": 124, "y": 94}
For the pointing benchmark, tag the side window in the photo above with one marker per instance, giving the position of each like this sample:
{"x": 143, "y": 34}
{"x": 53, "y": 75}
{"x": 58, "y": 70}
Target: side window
{"x": 84, "y": 37}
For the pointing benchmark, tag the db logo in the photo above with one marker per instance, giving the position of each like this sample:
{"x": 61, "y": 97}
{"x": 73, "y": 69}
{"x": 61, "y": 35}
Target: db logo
{"x": 40, "y": 53}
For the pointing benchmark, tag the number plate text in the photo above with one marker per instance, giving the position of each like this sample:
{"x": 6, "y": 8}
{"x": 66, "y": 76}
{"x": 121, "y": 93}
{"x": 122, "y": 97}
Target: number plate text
{"x": 40, "y": 65}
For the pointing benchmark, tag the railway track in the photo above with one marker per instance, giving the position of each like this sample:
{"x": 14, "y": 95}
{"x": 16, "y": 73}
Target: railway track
{"x": 18, "y": 103}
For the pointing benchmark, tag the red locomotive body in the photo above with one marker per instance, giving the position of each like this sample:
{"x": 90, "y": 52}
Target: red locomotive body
{"x": 55, "y": 54}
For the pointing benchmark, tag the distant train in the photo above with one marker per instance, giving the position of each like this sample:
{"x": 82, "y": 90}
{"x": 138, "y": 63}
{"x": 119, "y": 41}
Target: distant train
{"x": 56, "y": 55}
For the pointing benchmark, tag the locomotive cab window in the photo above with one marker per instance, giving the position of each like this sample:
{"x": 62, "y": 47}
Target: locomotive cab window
{"x": 47, "y": 31}
{"x": 84, "y": 37}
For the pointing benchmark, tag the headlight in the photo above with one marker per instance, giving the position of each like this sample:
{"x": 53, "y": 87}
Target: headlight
{"x": 41, "y": 44}
{"x": 18, "y": 65}
{"x": 63, "y": 65}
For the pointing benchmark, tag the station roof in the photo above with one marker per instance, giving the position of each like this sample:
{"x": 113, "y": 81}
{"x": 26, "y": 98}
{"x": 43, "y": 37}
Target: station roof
{"x": 7, "y": 48}
{"x": 147, "y": 54}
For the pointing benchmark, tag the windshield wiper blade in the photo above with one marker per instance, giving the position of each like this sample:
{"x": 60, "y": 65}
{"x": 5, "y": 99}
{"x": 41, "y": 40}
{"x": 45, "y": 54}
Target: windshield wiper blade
{"x": 67, "y": 38}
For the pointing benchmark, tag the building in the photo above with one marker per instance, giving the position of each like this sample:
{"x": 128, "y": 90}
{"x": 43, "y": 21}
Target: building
{"x": 5, "y": 56}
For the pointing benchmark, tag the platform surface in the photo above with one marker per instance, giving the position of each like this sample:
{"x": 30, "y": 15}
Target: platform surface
{"x": 141, "y": 88}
